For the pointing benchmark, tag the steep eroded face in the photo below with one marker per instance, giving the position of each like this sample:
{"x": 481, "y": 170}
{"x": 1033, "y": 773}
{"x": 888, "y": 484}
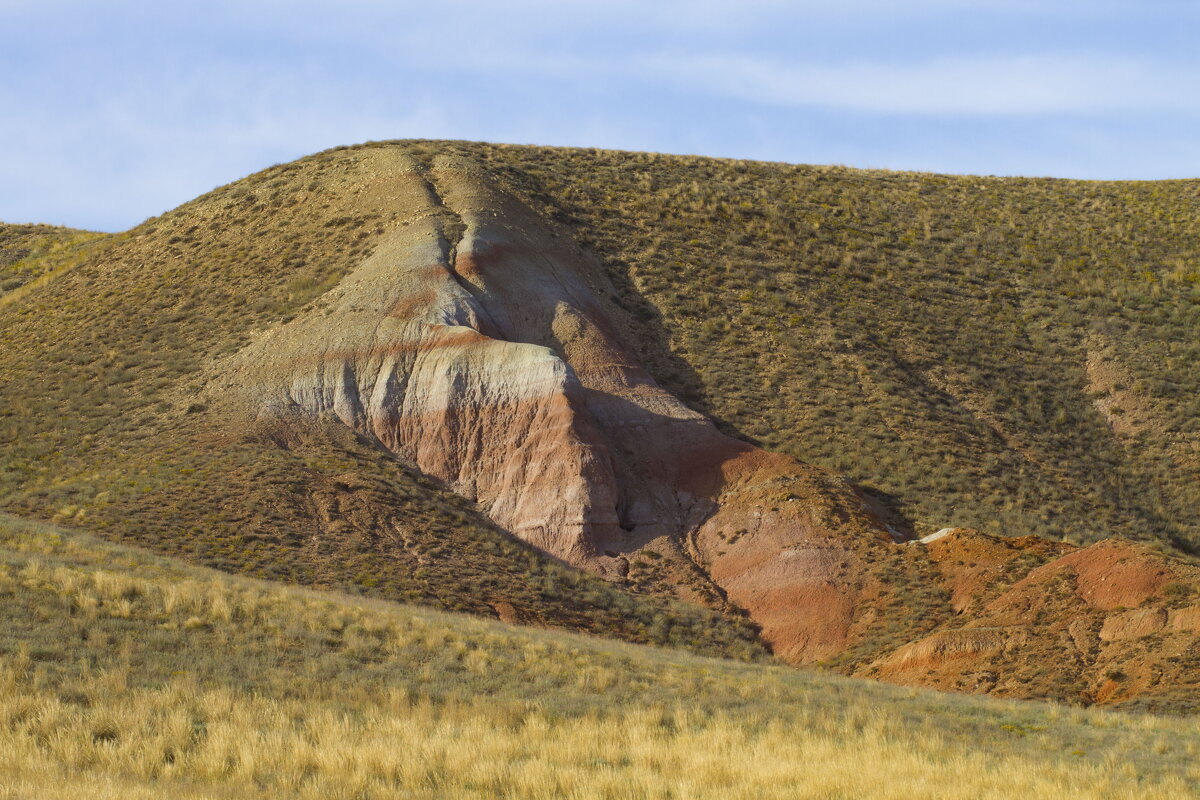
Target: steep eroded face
{"x": 472, "y": 344}
{"x": 405, "y": 355}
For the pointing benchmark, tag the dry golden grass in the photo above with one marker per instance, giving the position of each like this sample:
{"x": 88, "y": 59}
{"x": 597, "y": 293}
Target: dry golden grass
{"x": 32, "y": 255}
{"x": 244, "y": 745}
{"x": 124, "y": 675}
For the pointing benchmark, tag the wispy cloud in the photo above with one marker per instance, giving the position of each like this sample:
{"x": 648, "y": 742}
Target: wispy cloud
{"x": 1027, "y": 84}
{"x": 144, "y": 147}
{"x": 120, "y": 110}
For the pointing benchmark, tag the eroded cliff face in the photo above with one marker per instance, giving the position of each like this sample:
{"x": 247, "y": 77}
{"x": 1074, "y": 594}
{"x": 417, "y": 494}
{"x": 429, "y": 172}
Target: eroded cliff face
{"x": 475, "y": 344}
{"x": 406, "y": 352}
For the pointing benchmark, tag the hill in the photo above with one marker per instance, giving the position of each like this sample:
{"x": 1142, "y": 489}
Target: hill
{"x": 127, "y": 675}
{"x": 369, "y": 367}
{"x": 29, "y": 252}
{"x": 98, "y": 424}
{"x": 1007, "y": 354}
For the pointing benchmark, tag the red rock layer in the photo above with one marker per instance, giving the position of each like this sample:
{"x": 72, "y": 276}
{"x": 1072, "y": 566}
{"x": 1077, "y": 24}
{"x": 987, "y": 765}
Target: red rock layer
{"x": 1104, "y": 623}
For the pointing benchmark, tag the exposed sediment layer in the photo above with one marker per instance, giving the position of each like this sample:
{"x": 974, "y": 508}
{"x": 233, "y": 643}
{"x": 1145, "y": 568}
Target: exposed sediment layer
{"x": 474, "y": 343}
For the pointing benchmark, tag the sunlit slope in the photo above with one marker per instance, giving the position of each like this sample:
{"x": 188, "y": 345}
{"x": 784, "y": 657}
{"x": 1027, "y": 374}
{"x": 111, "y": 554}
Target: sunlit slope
{"x": 99, "y": 420}
{"x": 1012, "y": 355}
{"x": 1015, "y": 355}
{"x": 32, "y": 252}
{"x": 127, "y": 675}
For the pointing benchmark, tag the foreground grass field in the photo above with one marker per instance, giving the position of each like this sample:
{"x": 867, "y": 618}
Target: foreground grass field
{"x": 126, "y": 675}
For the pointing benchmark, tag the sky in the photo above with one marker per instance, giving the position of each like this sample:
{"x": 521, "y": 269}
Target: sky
{"x": 115, "y": 111}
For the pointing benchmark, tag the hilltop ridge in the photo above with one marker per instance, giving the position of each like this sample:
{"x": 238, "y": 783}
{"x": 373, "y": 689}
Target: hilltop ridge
{"x": 653, "y": 373}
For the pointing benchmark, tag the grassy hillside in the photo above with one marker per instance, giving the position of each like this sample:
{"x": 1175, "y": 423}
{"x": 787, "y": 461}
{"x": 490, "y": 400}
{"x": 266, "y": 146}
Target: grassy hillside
{"x": 29, "y": 252}
{"x": 98, "y": 422}
{"x": 126, "y": 675}
{"x": 1014, "y": 355}
{"x": 1008, "y": 354}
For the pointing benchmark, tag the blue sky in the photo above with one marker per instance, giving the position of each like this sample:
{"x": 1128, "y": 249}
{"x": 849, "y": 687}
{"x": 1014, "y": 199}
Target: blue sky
{"x": 114, "y": 111}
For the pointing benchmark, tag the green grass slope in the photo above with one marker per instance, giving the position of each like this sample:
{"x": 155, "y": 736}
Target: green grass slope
{"x": 128, "y": 675}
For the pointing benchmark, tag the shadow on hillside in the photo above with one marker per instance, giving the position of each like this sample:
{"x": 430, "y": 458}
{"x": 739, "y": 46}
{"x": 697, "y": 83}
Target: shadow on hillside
{"x": 644, "y": 332}
{"x": 890, "y": 509}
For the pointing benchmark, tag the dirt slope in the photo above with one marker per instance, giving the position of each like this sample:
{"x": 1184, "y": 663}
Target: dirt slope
{"x": 1111, "y": 622}
{"x": 471, "y": 345}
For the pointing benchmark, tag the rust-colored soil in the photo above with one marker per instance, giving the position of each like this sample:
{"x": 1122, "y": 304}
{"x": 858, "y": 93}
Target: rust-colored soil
{"x": 1115, "y": 622}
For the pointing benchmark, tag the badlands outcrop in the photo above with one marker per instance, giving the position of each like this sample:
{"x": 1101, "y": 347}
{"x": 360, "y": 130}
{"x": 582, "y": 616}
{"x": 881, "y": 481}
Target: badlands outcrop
{"x": 1116, "y": 613}
{"x": 481, "y": 344}
{"x": 474, "y": 344}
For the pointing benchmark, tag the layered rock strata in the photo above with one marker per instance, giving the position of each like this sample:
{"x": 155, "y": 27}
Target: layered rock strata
{"x": 477, "y": 343}
{"x": 1111, "y": 621}
{"x": 473, "y": 344}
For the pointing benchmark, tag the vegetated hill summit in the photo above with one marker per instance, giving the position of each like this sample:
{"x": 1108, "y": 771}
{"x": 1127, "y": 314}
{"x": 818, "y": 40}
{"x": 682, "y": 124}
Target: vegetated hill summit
{"x": 655, "y": 369}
